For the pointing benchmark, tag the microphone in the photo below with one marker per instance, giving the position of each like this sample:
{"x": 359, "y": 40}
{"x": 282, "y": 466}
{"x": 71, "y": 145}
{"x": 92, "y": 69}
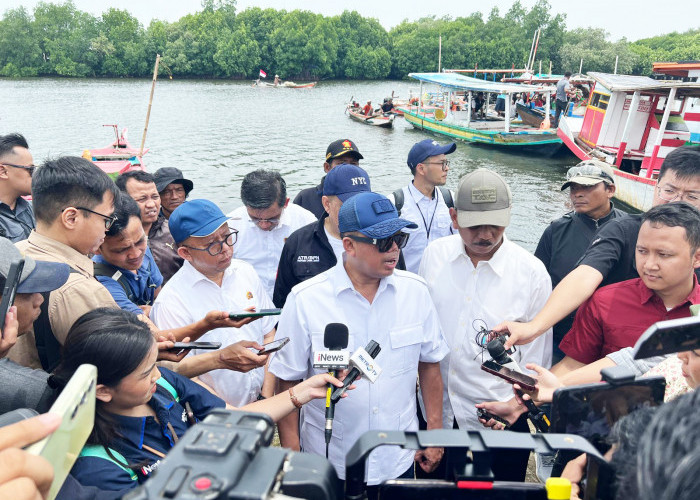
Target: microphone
{"x": 500, "y": 355}
{"x": 335, "y": 338}
{"x": 362, "y": 361}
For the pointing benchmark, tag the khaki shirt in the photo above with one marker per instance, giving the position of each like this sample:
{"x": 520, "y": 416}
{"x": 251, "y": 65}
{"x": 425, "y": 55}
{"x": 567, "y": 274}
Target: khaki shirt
{"x": 80, "y": 294}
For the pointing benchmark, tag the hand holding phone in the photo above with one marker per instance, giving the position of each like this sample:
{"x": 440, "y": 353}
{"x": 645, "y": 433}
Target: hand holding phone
{"x": 255, "y": 314}
{"x": 178, "y": 346}
{"x": 487, "y": 415}
{"x": 527, "y": 383}
{"x": 274, "y": 346}
{"x": 10, "y": 290}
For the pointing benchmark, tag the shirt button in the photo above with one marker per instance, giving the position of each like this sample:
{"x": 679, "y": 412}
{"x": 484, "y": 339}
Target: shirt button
{"x": 468, "y": 299}
{"x": 375, "y": 410}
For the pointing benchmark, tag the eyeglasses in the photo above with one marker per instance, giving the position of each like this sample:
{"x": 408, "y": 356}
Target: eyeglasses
{"x": 216, "y": 247}
{"x": 669, "y": 193}
{"x": 383, "y": 244}
{"x": 272, "y": 222}
{"x": 444, "y": 163}
{"x": 109, "y": 219}
{"x": 28, "y": 168}
{"x": 588, "y": 171}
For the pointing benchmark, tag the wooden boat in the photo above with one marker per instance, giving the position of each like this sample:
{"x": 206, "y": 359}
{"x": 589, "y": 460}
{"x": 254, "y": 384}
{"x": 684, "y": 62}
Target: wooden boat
{"x": 285, "y": 85}
{"x": 118, "y": 157}
{"x": 488, "y": 129}
{"x": 633, "y": 123}
{"x": 530, "y": 116}
{"x": 379, "y": 120}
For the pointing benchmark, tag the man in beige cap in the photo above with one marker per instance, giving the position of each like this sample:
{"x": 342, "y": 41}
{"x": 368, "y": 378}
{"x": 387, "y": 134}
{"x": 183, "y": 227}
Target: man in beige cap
{"x": 474, "y": 278}
{"x": 591, "y": 186}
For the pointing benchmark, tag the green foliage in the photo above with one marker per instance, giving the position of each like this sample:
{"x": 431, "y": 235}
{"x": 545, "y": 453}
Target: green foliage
{"x": 56, "y": 39}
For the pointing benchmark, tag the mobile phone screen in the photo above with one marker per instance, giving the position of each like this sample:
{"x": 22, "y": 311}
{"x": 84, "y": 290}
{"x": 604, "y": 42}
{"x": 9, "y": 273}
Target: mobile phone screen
{"x": 511, "y": 376}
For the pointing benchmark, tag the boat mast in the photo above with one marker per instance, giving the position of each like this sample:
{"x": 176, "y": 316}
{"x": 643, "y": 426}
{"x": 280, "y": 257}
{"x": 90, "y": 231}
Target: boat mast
{"x": 150, "y": 102}
{"x": 662, "y": 129}
{"x": 626, "y": 131}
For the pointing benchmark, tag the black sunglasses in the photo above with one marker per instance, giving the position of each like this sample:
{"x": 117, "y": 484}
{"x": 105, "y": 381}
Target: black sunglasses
{"x": 29, "y": 168}
{"x": 383, "y": 244}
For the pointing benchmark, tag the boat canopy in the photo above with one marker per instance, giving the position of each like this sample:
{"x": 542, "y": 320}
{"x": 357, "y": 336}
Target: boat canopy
{"x": 630, "y": 83}
{"x": 456, "y": 81}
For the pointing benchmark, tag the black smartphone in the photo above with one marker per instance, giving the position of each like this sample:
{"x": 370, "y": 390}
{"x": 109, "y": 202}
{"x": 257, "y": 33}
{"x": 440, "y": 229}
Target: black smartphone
{"x": 524, "y": 381}
{"x": 10, "y": 290}
{"x": 486, "y": 415}
{"x": 255, "y": 314}
{"x": 195, "y": 345}
{"x": 274, "y": 346}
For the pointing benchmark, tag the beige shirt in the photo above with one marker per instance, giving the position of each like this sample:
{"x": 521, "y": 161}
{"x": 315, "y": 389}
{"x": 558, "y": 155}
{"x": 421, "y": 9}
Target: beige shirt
{"x": 80, "y": 294}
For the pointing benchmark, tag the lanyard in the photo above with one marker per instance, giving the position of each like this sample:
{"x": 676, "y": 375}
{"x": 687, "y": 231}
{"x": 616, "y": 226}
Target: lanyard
{"x": 428, "y": 226}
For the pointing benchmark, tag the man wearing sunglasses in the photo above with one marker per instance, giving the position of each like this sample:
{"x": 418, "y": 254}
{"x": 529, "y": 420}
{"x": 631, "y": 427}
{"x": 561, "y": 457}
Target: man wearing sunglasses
{"x": 16, "y": 168}
{"x": 211, "y": 279}
{"x": 376, "y": 302}
{"x": 264, "y": 222}
{"x": 591, "y": 187}
{"x": 475, "y": 278}
{"x": 425, "y": 201}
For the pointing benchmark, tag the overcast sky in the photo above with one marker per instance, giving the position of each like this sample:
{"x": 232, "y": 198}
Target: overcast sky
{"x": 630, "y": 19}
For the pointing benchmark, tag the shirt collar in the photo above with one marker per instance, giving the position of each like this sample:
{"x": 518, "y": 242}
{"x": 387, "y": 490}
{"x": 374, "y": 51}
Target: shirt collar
{"x": 417, "y": 195}
{"x": 647, "y": 294}
{"x": 341, "y": 280}
{"x": 59, "y": 252}
{"x": 497, "y": 262}
{"x": 196, "y": 276}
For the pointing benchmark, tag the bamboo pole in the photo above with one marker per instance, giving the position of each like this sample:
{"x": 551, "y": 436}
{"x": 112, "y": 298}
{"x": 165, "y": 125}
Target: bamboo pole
{"x": 580, "y": 67}
{"x": 616, "y": 59}
{"x": 150, "y": 102}
{"x": 440, "y": 53}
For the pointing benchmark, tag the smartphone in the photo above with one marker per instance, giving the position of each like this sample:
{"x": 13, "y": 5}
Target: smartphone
{"x": 195, "y": 345}
{"x": 76, "y": 406}
{"x": 486, "y": 415}
{"x": 10, "y": 290}
{"x": 527, "y": 383}
{"x": 274, "y": 346}
{"x": 255, "y": 314}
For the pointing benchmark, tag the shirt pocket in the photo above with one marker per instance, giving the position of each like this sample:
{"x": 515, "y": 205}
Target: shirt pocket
{"x": 405, "y": 349}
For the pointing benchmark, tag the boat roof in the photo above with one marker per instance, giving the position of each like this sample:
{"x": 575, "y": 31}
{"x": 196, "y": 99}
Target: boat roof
{"x": 681, "y": 68}
{"x": 461, "y": 82}
{"x": 632, "y": 83}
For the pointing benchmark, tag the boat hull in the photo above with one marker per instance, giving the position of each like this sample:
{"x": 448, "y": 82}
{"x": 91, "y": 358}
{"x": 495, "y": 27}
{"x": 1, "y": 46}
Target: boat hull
{"x": 635, "y": 191}
{"x": 537, "y": 139}
{"x": 377, "y": 121}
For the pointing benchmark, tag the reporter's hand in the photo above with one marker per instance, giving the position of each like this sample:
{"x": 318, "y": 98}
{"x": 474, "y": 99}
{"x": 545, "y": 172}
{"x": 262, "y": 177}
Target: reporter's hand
{"x": 146, "y": 310}
{"x": 165, "y": 344}
{"x": 220, "y": 319}
{"x": 316, "y": 387}
{"x": 546, "y": 384}
{"x": 519, "y": 333}
{"x": 429, "y": 458}
{"x": 24, "y": 476}
{"x": 574, "y": 472}
{"x": 240, "y": 358}
{"x": 9, "y": 332}
{"x": 508, "y": 410}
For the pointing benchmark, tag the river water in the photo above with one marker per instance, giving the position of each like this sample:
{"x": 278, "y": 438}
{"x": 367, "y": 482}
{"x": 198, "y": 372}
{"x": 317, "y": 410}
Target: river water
{"x": 216, "y": 132}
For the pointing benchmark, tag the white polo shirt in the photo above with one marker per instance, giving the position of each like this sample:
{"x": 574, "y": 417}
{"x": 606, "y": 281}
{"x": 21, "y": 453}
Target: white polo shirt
{"x": 189, "y": 296}
{"x": 262, "y": 249}
{"x": 402, "y": 319}
{"x": 433, "y": 218}
{"x": 513, "y": 285}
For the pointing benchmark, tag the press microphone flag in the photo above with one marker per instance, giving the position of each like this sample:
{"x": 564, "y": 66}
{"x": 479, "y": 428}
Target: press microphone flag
{"x": 362, "y": 362}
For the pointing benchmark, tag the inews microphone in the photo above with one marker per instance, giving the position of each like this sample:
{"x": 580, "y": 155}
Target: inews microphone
{"x": 362, "y": 362}
{"x": 335, "y": 339}
{"x": 498, "y": 353}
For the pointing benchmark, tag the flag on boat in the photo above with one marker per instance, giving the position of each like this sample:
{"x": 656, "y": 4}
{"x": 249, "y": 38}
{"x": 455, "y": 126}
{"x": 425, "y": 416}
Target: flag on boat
{"x": 263, "y": 74}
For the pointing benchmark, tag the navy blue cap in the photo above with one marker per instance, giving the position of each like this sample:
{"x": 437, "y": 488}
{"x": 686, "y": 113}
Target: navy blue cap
{"x": 427, "y": 148}
{"x": 195, "y": 218}
{"x": 346, "y": 180}
{"x": 371, "y": 214}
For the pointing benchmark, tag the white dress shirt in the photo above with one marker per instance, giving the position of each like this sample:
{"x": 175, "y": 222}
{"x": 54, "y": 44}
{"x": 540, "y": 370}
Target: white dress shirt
{"x": 189, "y": 296}
{"x": 262, "y": 249}
{"x": 402, "y": 319}
{"x": 433, "y": 218}
{"x": 513, "y": 285}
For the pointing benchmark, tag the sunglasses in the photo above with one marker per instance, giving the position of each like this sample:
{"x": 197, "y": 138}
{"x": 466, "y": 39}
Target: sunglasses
{"x": 588, "y": 170}
{"x": 29, "y": 168}
{"x": 383, "y": 244}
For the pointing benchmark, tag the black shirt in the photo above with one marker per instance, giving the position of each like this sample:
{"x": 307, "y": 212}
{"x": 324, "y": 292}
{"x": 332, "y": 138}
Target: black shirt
{"x": 15, "y": 225}
{"x": 305, "y": 254}
{"x": 561, "y": 246}
{"x": 310, "y": 199}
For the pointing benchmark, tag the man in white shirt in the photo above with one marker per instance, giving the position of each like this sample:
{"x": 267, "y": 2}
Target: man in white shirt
{"x": 475, "y": 278}
{"x": 421, "y": 203}
{"x": 211, "y": 279}
{"x": 264, "y": 223}
{"x": 376, "y": 302}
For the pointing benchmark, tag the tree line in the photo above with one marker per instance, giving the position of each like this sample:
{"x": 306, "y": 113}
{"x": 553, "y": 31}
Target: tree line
{"x": 57, "y": 39}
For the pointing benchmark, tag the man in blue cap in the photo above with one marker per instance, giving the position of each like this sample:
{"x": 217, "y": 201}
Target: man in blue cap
{"x": 376, "y": 302}
{"x": 211, "y": 279}
{"x": 420, "y": 201}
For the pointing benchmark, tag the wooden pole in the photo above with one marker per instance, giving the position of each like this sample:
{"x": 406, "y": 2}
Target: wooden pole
{"x": 550, "y": 67}
{"x": 616, "y": 59}
{"x": 440, "y": 53}
{"x": 150, "y": 102}
{"x": 662, "y": 130}
{"x": 540, "y": 66}
{"x": 580, "y": 67}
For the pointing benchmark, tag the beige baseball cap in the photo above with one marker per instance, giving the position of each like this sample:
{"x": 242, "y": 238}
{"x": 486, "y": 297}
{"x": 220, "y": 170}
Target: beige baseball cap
{"x": 483, "y": 199}
{"x": 589, "y": 173}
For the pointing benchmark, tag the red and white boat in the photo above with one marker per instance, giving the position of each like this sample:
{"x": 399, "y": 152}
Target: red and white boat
{"x": 118, "y": 157}
{"x": 633, "y": 123}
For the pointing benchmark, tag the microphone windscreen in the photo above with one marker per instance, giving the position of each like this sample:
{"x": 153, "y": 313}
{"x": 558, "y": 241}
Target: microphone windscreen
{"x": 335, "y": 337}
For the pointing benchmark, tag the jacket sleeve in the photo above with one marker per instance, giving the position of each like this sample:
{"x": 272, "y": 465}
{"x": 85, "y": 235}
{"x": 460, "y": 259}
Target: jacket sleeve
{"x": 285, "y": 276}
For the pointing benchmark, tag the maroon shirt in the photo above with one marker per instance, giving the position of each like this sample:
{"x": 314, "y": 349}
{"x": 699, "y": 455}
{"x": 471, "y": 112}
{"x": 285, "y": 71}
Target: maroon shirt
{"x": 616, "y": 316}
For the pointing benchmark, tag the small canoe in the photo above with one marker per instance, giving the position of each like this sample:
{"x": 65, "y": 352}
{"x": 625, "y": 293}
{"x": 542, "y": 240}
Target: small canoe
{"x": 379, "y": 120}
{"x": 285, "y": 85}
{"x": 529, "y": 116}
{"x": 118, "y": 157}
